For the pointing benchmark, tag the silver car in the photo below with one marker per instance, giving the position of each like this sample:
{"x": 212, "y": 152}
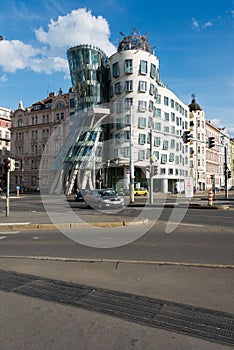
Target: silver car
{"x": 105, "y": 198}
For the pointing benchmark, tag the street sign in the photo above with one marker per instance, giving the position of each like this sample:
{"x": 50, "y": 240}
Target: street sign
{"x": 188, "y": 186}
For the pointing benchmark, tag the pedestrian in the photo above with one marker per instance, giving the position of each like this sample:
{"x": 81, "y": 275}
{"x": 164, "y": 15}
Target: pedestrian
{"x": 0, "y": 191}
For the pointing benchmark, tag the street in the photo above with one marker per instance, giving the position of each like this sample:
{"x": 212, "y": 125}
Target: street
{"x": 191, "y": 265}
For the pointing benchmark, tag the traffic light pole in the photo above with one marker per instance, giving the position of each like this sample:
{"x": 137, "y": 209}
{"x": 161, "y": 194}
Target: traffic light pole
{"x": 7, "y": 194}
{"x": 151, "y": 167}
{"x": 131, "y": 158}
{"x": 226, "y": 172}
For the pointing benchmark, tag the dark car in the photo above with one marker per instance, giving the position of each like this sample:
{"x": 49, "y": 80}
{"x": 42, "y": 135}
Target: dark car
{"x": 79, "y": 195}
{"x": 105, "y": 198}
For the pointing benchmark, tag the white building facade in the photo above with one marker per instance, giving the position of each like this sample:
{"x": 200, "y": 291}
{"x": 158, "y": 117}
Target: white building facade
{"x": 139, "y": 98}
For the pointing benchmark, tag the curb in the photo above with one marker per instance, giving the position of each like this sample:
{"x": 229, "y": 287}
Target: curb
{"x": 119, "y": 261}
{"x": 30, "y": 226}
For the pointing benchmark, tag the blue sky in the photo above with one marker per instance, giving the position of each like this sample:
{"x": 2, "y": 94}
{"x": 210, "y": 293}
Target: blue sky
{"x": 193, "y": 41}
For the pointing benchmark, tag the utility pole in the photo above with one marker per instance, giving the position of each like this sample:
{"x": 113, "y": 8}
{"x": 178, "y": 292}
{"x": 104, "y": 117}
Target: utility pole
{"x": 131, "y": 158}
{"x": 7, "y": 166}
{"x": 151, "y": 167}
{"x": 225, "y": 172}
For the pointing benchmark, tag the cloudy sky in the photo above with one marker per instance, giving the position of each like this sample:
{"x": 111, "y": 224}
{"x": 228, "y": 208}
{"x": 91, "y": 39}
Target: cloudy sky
{"x": 193, "y": 41}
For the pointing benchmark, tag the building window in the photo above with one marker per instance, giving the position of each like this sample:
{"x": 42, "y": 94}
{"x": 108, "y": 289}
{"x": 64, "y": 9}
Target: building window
{"x": 150, "y": 122}
{"x": 170, "y": 171}
{"x": 152, "y": 89}
{"x": 128, "y": 66}
{"x": 119, "y": 107}
{"x": 151, "y": 105}
{"x": 172, "y": 116}
{"x": 127, "y": 120}
{"x": 142, "y": 122}
{"x": 126, "y": 152}
{"x": 142, "y": 86}
{"x": 172, "y": 104}
{"x": 60, "y": 105}
{"x": 166, "y": 129}
{"x": 158, "y": 112}
{"x": 158, "y": 126}
{"x": 142, "y": 139}
{"x": 157, "y": 141}
{"x": 171, "y": 157}
{"x": 128, "y": 85}
{"x": 165, "y": 144}
{"x": 115, "y": 69}
{"x": 158, "y": 99}
{"x": 153, "y": 70}
{"x": 173, "y": 130}
{"x": 141, "y": 154}
{"x": 142, "y": 106}
{"x": 166, "y": 101}
{"x": 164, "y": 158}
{"x": 37, "y": 107}
{"x": 143, "y": 67}
{"x": 128, "y": 102}
{"x": 127, "y": 135}
{"x": 118, "y": 88}
{"x": 119, "y": 123}
{"x": 166, "y": 116}
{"x": 20, "y": 122}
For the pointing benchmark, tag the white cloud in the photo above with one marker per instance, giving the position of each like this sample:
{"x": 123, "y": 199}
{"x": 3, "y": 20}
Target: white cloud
{"x": 217, "y": 122}
{"x": 15, "y": 55}
{"x": 208, "y": 24}
{"x": 77, "y": 27}
{"x": 3, "y": 78}
{"x": 195, "y": 24}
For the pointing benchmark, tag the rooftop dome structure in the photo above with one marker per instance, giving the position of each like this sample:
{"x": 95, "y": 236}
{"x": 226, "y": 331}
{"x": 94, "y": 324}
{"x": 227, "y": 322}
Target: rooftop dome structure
{"x": 134, "y": 42}
{"x": 194, "y": 106}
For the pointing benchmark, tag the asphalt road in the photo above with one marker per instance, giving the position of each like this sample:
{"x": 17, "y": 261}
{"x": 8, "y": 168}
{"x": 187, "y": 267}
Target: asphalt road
{"x": 203, "y": 237}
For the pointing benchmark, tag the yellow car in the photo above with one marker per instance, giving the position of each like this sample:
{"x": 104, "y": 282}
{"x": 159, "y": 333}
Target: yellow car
{"x": 141, "y": 191}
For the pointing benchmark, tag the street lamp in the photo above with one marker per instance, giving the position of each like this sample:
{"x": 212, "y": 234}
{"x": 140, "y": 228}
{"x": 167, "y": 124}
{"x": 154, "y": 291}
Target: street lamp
{"x": 131, "y": 158}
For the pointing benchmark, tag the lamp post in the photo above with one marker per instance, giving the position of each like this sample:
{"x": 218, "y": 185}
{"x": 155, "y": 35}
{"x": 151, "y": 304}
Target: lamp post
{"x": 131, "y": 158}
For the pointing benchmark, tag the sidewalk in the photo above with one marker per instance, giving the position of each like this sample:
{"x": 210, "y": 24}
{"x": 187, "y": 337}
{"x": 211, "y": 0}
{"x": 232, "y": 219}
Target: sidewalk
{"x": 31, "y": 323}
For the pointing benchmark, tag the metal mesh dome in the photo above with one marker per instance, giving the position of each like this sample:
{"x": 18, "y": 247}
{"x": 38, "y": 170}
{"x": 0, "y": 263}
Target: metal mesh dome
{"x": 134, "y": 42}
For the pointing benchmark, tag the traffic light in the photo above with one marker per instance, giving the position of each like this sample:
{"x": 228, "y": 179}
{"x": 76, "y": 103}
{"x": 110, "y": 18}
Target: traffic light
{"x": 12, "y": 164}
{"x": 211, "y": 142}
{"x": 229, "y": 174}
{"x": 212, "y": 177}
{"x": 156, "y": 170}
{"x": 186, "y": 136}
{"x": 7, "y": 164}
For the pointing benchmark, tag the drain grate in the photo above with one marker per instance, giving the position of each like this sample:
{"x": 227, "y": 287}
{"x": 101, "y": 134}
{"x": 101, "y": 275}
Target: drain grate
{"x": 198, "y": 322}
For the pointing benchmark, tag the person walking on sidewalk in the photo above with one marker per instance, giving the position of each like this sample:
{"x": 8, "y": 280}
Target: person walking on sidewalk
{"x": 0, "y": 191}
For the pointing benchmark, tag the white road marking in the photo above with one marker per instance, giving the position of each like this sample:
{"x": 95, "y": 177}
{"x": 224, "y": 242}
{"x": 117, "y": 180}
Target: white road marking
{"x": 8, "y": 233}
{"x": 14, "y": 223}
{"x": 2, "y": 237}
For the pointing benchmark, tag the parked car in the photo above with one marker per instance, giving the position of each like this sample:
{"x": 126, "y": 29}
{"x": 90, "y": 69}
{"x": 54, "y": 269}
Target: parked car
{"x": 79, "y": 195}
{"x": 141, "y": 191}
{"x": 231, "y": 188}
{"x": 104, "y": 198}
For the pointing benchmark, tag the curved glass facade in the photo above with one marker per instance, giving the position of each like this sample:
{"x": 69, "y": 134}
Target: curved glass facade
{"x": 88, "y": 70}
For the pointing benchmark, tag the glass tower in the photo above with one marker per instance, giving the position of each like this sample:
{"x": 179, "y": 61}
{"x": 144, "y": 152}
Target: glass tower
{"x": 88, "y": 70}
